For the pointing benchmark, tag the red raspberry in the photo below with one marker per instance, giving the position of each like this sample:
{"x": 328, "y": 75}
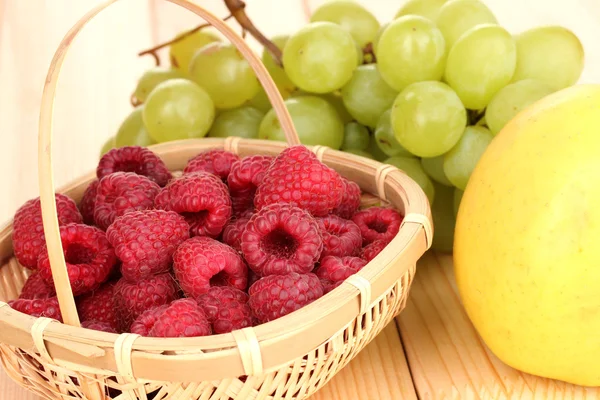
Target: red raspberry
{"x": 98, "y": 306}
{"x": 36, "y": 288}
{"x": 98, "y": 326}
{"x": 335, "y": 270}
{"x": 341, "y": 237}
{"x": 145, "y": 241}
{"x": 28, "y": 229}
{"x": 136, "y": 159}
{"x": 232, "y": 234}
{"x": 202, "y": 198}
{"x": 88, "y": 202}
{"x": 378, "y": 223}
{"x": 371, "y": 250}
{"x": 181, "y": 318}
{"x": 280, "y": 239}
{"x": 217, "y": 162}
{"x": 278, "y": 295}
{"x": 120, "y": 193}
{"x": 244, "y": 178}
{"x": 133, "y": 298}
{"x": 350, "y": 200}
{"x": 226, "y": 308}
{"x": 298, "y": 178}
{"x": 202, "y": 262}
{"x": 90, "y": 258}
{"x": 38, "y": 307}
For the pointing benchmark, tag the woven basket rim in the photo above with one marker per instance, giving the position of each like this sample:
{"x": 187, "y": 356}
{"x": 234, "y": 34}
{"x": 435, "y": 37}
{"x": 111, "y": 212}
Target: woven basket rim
{"x": 414, "y": 201}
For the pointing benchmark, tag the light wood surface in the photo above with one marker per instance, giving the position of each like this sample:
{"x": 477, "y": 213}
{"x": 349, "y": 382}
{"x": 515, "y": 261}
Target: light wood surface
{"x": 446, "y": 359}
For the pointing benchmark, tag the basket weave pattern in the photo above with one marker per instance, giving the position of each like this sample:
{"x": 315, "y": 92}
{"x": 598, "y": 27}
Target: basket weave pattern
{"x": 288, "y": 358}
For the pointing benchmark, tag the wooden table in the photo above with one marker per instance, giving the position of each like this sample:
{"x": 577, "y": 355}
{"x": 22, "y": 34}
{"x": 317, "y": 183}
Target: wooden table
{"x": 431, "y": 352}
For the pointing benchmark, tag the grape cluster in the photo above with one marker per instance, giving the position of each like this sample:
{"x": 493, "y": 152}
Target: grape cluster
{"x": 426, "y": 92}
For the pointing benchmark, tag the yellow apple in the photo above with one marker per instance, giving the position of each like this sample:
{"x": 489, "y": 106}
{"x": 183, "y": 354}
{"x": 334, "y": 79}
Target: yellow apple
{"x": 527, "y": 241}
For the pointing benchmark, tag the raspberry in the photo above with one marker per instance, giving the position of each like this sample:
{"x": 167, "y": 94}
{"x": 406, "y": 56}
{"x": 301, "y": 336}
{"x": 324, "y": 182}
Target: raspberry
{"x": 97, "y": 306}
{"x": 278, "y": 295}
{"x": 136, "y": 159}
{"x": 298, "y": 178}
{"x": 226, "y": 308}
{"x": 145, "y": 241}
{"x": 181, "y": 318}
{"x": 232, "y": 234}
{"x": 340, "y": 236}
{"x": 38, "y": 307}
{"x": 98, "y": 326}
{"x": 88, "y": 202}
{"x": 377, "y": 223}
{"x": 217, "y": 162}
{"x": 36, "y": 288}
{"x": 280, "y": 239}
{"x": 371, "y": 250}
{"x": 120, "y": 193}
{"x": 350, "y": 200}
{"x": 28, "y": 230}
{"x": 202, "y": 198}
{"x": 334, "y": 270}
{"x": 202, "y": 262}
{"x": 89, "y": 257}
{"x": 133, "y": 298}
{"x": 244, "y": 178}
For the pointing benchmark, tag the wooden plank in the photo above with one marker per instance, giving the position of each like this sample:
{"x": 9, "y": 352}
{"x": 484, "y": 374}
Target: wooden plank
{"x": 448, "y": 359}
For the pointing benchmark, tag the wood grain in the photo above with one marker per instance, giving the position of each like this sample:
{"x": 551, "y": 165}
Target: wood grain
{"x": 446, "y": 356}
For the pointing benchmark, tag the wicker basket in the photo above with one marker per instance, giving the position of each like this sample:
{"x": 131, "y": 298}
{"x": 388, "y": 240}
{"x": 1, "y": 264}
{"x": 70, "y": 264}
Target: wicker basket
{"x": 289, "y": 358}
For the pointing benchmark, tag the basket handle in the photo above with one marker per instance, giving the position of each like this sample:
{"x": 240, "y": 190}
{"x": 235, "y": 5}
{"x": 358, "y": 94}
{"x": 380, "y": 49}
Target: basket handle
{"x": 45, "y": 171}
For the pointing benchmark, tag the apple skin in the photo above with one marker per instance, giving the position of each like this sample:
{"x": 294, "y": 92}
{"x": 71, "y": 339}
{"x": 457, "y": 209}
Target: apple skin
{"x": 527, "y": 240}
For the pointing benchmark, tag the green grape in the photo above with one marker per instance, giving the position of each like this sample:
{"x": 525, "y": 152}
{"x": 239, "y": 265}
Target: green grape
{"x": 283, "y": 82}
{"x": 153, "y": 77}
{"x": 428, "y": 118}
{"x": 411, "y": 49}
{"x": 458, "y": 194}
{"x": 458, "y": 16}
{"x": 460, "y": 162}
{"x": 480, "y": 63}
{"x": 316, "y": 122}
{"x": 352, "y": 17}
{"x": 178, "y": 109}
{"x": 386, "y": 139}
{"x": 367, "y": 95}
{"x": 375, "y": 150}
{"x": 512, "y": 99}
{"x": 108, "y": 146}
{"x": 261, "y": 101}
{"x": 413, "y": 168}
{"x": 182, "y": 51}
{"x": 425, "y": 8}
{"x": 356, "y": 137}
{"x": 435, "y": 169}
{"x": 242, "y": 122}
{"x": 360, "y": 55}
{"x": 442, "y": 213}
{"x": 378, "y": 36}
{"x": 552, "y": 54}
{"x": 337, "y": 103}
{"x": 320, "y": 57}
{"x": 225, "y": 74}
{"x": 360, "y": 152}
{"x": 132, "y": 131}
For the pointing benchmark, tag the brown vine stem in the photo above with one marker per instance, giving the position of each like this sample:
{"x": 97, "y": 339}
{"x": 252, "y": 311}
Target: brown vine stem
{"x": 153, "y": 51}
{"x": 236, "y": 8}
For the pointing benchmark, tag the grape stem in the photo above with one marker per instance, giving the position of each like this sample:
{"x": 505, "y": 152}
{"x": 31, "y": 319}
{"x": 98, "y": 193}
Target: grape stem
{"x": 237, "y": 10}
{"x": 153, "y": 51}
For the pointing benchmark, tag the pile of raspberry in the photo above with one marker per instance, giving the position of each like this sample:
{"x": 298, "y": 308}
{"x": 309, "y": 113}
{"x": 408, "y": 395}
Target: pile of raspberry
{"x": 230, "y": 243}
